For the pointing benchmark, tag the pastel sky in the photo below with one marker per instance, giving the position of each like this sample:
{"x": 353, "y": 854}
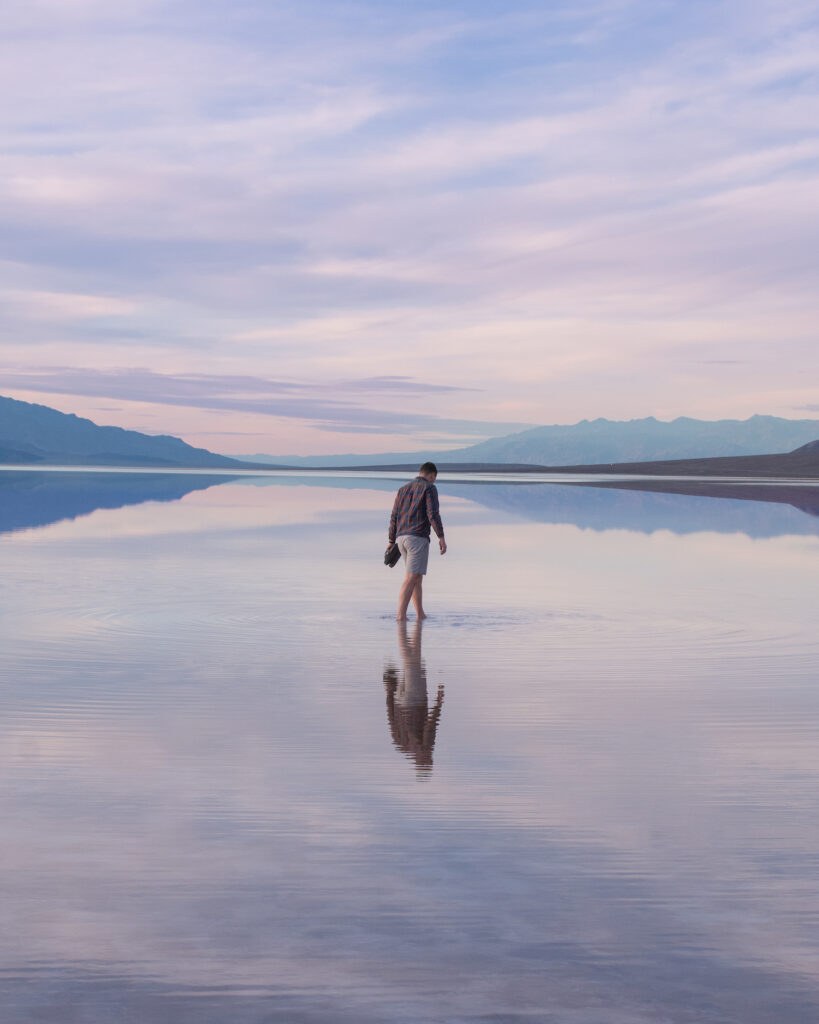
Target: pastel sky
{"x": 316, "y": 227}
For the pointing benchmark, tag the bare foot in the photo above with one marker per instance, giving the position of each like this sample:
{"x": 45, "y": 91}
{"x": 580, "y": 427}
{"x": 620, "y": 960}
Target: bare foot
{"x": 400, "y": 618}
{"x": 421, "y": 615}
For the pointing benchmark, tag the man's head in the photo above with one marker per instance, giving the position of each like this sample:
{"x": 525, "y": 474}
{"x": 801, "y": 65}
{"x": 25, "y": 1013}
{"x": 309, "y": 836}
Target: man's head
{"x": 429, "y": 471}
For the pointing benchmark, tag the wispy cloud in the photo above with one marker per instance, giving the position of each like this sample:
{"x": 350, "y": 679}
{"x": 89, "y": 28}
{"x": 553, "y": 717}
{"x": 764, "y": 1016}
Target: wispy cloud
{"x": 64, "y": 305}
{"x": 351, "y": 406}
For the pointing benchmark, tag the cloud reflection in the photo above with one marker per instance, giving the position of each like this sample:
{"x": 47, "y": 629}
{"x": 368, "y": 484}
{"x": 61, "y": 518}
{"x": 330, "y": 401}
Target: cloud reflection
{"x": 205, "y": 821}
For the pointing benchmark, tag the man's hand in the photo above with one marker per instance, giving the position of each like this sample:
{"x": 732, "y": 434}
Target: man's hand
{"x": 442, "y": 545}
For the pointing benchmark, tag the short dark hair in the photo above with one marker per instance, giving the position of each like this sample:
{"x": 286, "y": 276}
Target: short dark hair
{"x": 429, "y": 468}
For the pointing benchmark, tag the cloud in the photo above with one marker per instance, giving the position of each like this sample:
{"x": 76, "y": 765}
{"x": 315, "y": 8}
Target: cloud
{"x": 401, "y": 385}
{"x": 64, "y": 305}
{"x": 357, "y": 192}
{"x": 338, "y": 406}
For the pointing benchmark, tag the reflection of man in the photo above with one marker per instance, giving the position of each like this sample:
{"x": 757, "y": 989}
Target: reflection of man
{"x": 412, "y": 724}
{"x": 414, "y": 511}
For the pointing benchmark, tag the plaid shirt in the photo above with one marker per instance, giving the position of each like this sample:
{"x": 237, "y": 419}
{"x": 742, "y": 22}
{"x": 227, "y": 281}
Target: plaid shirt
{"x": 415, "y": 510}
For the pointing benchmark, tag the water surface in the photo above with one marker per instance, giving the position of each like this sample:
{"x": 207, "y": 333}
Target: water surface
{"x": 234, "y": 789}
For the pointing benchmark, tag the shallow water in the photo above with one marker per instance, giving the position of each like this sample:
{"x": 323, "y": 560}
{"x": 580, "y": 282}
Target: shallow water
{"x": 234, "y": 790}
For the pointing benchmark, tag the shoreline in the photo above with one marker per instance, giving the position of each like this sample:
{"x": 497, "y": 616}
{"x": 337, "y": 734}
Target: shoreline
{"x": 730, "y": 472}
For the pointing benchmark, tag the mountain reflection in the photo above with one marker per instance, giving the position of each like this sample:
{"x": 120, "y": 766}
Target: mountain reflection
{"x": 33, "y": 499}
{"x": 684, "y": 506}
{"x": 412, "y": 725}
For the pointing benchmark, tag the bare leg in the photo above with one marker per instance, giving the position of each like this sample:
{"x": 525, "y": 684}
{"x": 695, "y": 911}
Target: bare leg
{"x": 418, "y": 598}
{"x": 405, "y": 593}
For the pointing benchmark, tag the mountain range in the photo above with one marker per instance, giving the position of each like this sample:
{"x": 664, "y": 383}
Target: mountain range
{"x": 37, "y": 434}
{"x": 596, "y": 442}
{"x": 32, "y": 434}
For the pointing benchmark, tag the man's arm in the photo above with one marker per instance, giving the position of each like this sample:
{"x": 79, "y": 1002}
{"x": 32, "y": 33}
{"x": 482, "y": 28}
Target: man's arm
{"x": 434, "y": 516}
{"x": 393, "y": 522}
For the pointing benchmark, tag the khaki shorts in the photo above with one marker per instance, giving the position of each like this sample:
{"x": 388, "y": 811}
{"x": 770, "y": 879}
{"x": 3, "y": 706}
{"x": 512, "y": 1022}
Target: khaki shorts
{"x": 415, "y": 551}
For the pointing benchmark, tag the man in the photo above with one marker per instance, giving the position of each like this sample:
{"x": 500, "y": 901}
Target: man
{"x": 414, "y": 511}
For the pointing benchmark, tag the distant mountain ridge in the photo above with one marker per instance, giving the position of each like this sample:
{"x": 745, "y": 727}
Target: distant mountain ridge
{"x": 593, "y": 442}
{"x": 803, "y": 462}
{"x": 38, "y": 434}
{"x": 32, "y": 433}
